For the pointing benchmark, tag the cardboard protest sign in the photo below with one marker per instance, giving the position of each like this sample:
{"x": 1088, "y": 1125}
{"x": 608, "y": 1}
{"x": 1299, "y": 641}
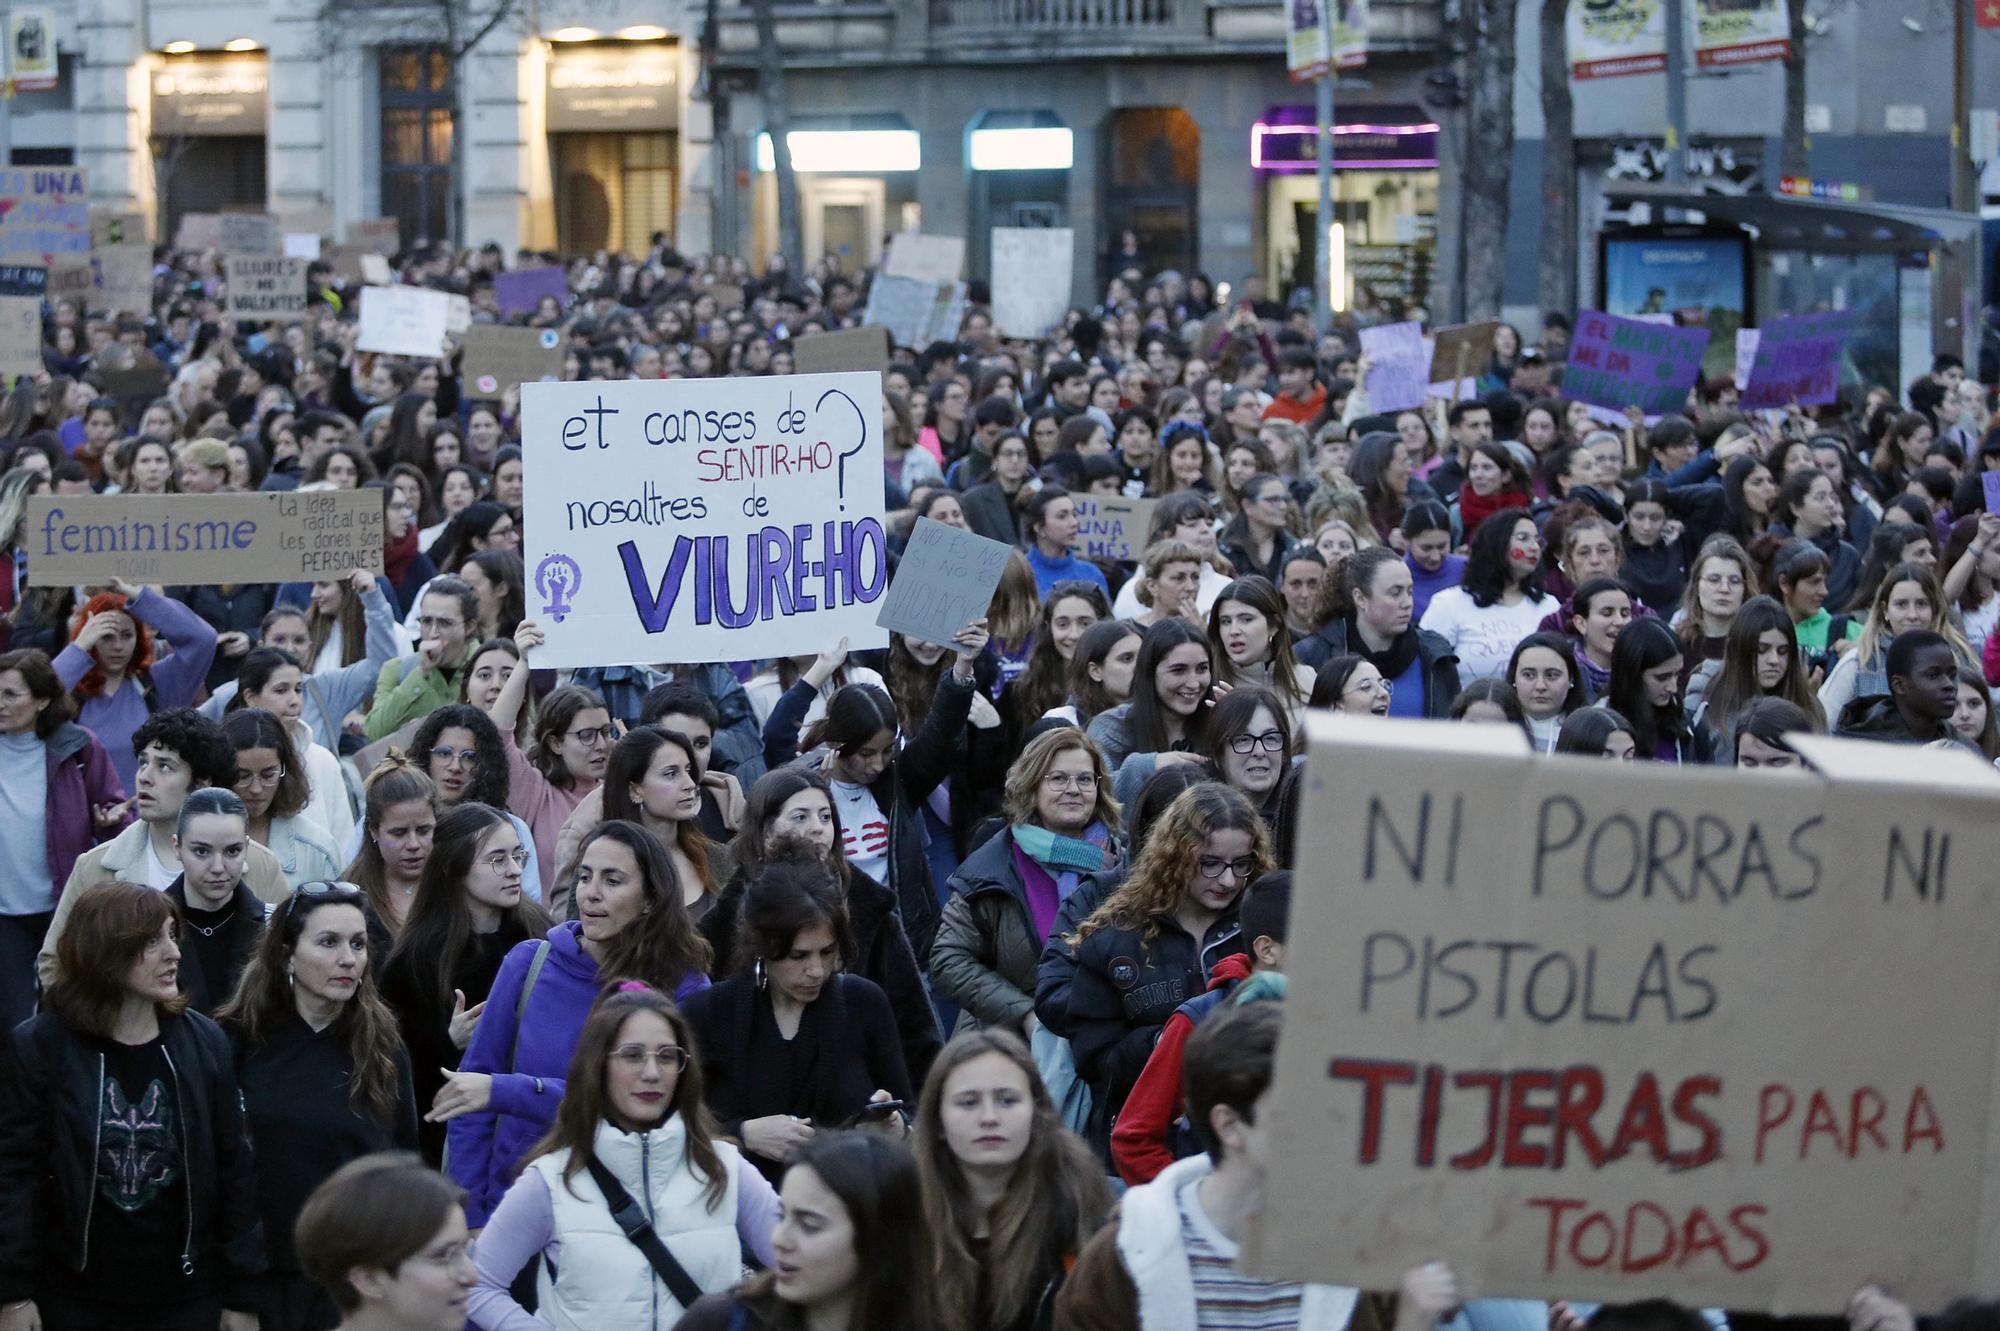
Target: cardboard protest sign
{"x": 458, "y": 316}
{"x": 269, "y": 536}
{"x": 1462, "y": 351}
{"x": 915, "y": 313}
{"x": 21, "y": 335}
{"x": 1797, "y": 360}
{"x": 309, "y": 219}
{"x": 1399, "y": 366}
{"x": 1592, "y": 1030}
{"x": 70, "y": 278}
{"x": 937, "y": 259}
{"x": 1746, "y": 356}
{"x": 112, "y": 226}
{"x": 1618, "y": 363}
{"x": 1112, "y": 526}
{"x": 44, "y": 211}
{"x": 403, "y": 321}
{"x": 199, "y": 231}
{"x": 521, "y": 291}
{"x": 301, "y": 245}
{"x": 375, "y": 270}
{"x": 381, "y": 235}
{"x": 848, "y": 349}
{"x": 704, "y": 519}
{"x": 497, "y": 358}
{"x": 251, "y": 233}
{"x": 944, "y": 580}
{"x": 728, "y": 295}
{"x": 345, "y": 263}
{"x": 264, "y": 287}
{"x": 1990, "y": 482}
{"x": 1031, "y": 278}
{"x": 21, "y": 279}
{"x": 122, "y": 278}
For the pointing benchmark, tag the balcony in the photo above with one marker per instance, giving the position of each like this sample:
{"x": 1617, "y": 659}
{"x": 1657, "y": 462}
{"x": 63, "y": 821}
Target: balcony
{"x": 982, "y": 17}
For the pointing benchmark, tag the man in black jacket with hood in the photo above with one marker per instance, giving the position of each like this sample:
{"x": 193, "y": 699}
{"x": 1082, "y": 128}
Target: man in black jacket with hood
{"x": 1420, "y": 667}
{"x": 1923, "y": 693}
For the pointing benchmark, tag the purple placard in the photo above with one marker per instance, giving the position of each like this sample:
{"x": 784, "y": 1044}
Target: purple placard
{"x": 1798, "y": 360}
{"x": 1619, "y": 363}
{"x": 520, "y": 291}
{"x": 1991, "y": 480}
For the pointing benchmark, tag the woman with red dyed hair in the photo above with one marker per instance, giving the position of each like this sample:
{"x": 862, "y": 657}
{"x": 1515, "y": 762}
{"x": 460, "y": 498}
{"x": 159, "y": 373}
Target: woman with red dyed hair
{"x": 111, "y": 669}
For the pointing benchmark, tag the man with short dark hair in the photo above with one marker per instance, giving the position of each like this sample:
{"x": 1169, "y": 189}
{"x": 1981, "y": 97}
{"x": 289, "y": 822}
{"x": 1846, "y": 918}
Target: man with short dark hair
{"x": 1168, "y": 1259}
{"x": 1923, "y": 693}
{"x": 1471, "y": 424}
{"x": 1069, "y": 388}
{"x": 179, "y": 750}
{"x": 1300, "y": 393}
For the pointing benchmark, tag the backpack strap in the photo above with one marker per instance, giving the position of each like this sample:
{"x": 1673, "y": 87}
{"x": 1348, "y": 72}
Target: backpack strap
{"x": 521, "y": 1003}
{"x": 631, "y": 1219}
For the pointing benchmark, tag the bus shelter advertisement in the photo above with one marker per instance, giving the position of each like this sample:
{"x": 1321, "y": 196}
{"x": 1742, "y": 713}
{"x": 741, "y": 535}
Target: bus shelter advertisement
{"x": 704, "y": 520}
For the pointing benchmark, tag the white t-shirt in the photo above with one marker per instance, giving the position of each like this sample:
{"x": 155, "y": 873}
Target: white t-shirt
{"x": 159, "y": 876}
{"x": 1484, "y": 637}
{"x": 864, "y": 831}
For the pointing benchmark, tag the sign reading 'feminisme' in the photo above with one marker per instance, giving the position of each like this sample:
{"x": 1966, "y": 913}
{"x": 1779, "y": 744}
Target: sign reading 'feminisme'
{"x": 704, "y": 520}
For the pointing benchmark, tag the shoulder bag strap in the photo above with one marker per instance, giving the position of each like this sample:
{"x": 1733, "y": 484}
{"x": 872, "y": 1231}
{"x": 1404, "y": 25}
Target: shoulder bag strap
{"x": 521, "y": 1003}
{"x": 632, "y": 1220}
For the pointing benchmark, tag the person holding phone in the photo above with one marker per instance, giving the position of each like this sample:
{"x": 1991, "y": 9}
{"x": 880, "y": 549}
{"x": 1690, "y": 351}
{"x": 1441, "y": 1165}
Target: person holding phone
{"x": 791, "y": 1045}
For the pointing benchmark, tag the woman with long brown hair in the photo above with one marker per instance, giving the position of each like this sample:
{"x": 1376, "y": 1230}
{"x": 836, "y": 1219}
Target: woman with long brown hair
{"x": 654, "y": 780}
{"x": 324, "y": 1075}
{"x": 631, "y": 1122}
{"x": 398, "y": 822}
{"x": 1762, "y": 660}
{"x": 1010, "y": 1194}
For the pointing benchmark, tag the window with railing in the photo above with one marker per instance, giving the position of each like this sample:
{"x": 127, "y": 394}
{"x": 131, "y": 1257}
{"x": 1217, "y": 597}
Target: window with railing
{"x": 1052, "y": 15}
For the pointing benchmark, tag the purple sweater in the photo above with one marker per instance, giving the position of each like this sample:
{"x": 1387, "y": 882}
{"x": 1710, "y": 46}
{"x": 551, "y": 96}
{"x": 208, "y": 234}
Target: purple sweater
{"x": 1424, "y": 585}
{"x": 524, "y": 1226}
{"x": 528, "y": 1060}
{"x": 177, "y": 677}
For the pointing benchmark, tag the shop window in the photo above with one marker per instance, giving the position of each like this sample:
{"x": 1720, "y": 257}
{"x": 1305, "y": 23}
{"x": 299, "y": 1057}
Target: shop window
{"x": 1155, "y": 186}
{"x": 613, "y": 191}
{"x": 416, "y": 92}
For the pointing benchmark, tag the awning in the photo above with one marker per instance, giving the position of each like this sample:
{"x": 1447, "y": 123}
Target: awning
{"x": 1819, "y": 225}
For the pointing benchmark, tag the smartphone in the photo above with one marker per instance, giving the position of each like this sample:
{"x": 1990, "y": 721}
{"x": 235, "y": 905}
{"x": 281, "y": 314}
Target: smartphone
{"x": 877, "y": 1110}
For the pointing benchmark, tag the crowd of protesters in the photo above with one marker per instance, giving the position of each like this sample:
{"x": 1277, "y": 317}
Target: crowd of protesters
{"x": 362, "y": 972}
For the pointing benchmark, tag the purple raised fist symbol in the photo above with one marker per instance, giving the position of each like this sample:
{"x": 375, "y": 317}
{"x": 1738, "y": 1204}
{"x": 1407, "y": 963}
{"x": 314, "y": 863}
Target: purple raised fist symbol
{"x": 557, "y": 577}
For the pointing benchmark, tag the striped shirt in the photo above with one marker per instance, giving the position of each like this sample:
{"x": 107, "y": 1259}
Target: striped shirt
{"x": 1225, "y": 1300}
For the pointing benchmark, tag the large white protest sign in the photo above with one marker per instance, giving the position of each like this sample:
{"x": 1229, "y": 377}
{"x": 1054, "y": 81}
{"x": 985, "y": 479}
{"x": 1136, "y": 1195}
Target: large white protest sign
{"x": 403, "y": 321}
{"x": 934, "y": 259}
{"x": 1595, "y": 1030}
{"x": 704, "y": 519}
{"x": 1399, "y": 366}
{"x": 1031, "y": 278}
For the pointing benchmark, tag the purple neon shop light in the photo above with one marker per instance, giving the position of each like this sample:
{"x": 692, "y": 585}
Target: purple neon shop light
{"x": 1269, "y": 157}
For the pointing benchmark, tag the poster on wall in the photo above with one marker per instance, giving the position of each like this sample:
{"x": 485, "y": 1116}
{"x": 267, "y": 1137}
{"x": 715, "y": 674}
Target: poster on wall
{"x": 1612, "y": 38}
{"x": 1307, "y": 53}
{"x": 1739, "y": 32}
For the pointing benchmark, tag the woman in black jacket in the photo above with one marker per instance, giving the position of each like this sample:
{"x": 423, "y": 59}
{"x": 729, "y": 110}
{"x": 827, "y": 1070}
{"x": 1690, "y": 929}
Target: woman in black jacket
{"x": 221, "y": 918}
{"x": 127, "y": 1196}
{"x": 469, "y": 911}
{"x": 790, "y": 809}
{"x": 791, "y": 1045}
{"x": 1153, "y": 943}
{"x": 324, "y": 1076}
{"x": 876, "y": 788}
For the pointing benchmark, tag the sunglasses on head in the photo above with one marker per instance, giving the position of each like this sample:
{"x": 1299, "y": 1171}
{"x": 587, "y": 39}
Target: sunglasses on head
{"x": 335, "y": 889}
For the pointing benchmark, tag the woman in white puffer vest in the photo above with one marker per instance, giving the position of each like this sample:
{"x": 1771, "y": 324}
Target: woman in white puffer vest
{"x": 634, "y": 1108}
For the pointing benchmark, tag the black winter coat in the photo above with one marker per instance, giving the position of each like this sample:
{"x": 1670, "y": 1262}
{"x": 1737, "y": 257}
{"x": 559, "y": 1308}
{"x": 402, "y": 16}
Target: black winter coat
{"x": 51, "y": 1087}
{"x": 1440, "y": 662}
{"x": 237, "y": 609}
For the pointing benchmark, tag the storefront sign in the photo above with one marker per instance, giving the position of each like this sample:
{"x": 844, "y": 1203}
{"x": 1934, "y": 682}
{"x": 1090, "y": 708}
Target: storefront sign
{"x": 1289, "y": 141}
{"x": 625, "y": 86}
{"x": 1609, "y": 38}
{"x": 211, "y": 96}
{"x": 31, "y": 50}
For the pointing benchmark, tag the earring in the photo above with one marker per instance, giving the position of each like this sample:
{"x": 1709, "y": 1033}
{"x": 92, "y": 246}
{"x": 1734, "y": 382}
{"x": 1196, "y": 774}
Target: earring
{"x": 757, "y": 974}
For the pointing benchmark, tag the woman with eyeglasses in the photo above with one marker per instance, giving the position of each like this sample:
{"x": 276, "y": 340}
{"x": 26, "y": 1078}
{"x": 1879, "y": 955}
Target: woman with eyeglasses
{"x": 1720, "y": 580}
{"x": 324, "y": 1075}
{"x": 1259, "y": 537}
{"x": 1352, "y": 685}
{"x": 571, "y": 750}
{"x": 271, "y": 781}
{"x": 1249, "y": 746}
{"x": 165, "y": 1238}
{"x": 1062, "y": 826}
{"x": 272, "y": 680}
{"x": 385, "y": 1237}
{"x": 224, "y": 918}
{"x": 632, "y": 1126}
{"x": 470, "y": 911}
{"x": 631, "y": 925}
{"x": 460, "y": 749}
{"x": 792, "y": 1044}
{"x": 1154, "y": 941}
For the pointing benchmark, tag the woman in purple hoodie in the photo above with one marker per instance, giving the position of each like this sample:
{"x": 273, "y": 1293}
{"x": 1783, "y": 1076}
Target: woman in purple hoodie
{"x": 632, "y": 926}
{"x": 114, "y": 672}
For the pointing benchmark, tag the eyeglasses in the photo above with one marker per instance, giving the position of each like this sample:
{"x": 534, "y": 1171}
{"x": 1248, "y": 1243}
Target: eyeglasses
{"x": 592, "y": 735}
{"x": 1241, "y": 868}
{"x": 635, "y": 1057}
{"x": 270, "y": 776}
{"x": 1375, "y": 685}
{"x": 1271, "y": 499}
{"x": 1270, "y": 742}
{"x": 498, "y": 859}
{"x": 451, "y": 757}
{"x": 1730, "y": 580}
{"x": 1066, "y": 781}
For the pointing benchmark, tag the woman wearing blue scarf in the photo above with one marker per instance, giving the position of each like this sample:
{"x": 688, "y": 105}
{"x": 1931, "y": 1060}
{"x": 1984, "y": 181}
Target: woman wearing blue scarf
{"x": 1004, "y": 898}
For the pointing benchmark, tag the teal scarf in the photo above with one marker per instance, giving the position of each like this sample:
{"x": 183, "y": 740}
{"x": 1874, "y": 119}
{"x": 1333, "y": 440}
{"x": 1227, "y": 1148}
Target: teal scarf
{"x": 1061, "y": 854}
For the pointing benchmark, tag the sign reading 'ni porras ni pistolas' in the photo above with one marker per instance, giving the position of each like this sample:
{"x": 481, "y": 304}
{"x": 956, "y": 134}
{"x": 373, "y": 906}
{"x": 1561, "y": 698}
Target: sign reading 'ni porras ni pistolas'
{"x": 704, "y": 520}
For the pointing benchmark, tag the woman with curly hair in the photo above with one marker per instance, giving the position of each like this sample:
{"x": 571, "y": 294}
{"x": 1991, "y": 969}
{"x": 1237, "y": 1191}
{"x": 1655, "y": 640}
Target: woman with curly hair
{"x": 1499, "y": 601}
{"x": 1155, "y": 940}
{"x": 1010, "y": 1194}
{"x": 324, "y": 1076}
{"x": 459, "y": 748}
{"x": 112, "y": 671}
